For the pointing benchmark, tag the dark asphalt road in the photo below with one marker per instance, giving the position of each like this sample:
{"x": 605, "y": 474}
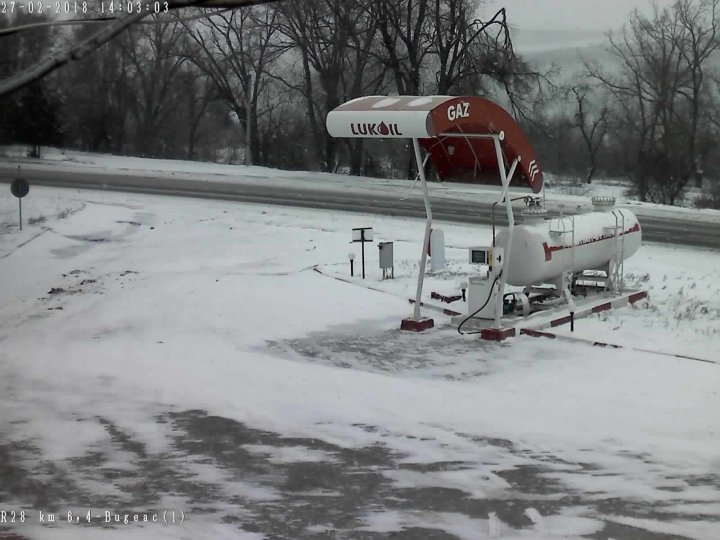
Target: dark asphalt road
{"x": 312, "y": 500}
{"x": 662, "y": 230}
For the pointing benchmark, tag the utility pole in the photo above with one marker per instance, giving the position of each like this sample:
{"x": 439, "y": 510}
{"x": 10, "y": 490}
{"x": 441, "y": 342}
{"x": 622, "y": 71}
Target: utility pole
{"x": 248, "y": 120}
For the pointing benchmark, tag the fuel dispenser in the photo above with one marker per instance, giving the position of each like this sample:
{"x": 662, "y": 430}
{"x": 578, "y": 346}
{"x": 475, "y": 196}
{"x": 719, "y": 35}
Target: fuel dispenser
{"x": 483, "y": 287}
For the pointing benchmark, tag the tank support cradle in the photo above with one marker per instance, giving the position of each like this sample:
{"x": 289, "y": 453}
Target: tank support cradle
{"x": 540, "y": 322}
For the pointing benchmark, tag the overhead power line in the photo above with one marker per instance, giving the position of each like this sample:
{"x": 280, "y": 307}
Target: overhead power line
{"x": 110, "y": 29}
{"x": 101, "y": 20}
{"x": 72, "y": 22}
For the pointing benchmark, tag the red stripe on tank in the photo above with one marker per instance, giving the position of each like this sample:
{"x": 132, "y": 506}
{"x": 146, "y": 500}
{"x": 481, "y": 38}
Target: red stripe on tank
{"x": 549, "y": 249}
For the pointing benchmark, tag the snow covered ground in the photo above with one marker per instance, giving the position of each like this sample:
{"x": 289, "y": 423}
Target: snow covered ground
{"x": 559, "y": 192}
{"x": 170, "y": 354}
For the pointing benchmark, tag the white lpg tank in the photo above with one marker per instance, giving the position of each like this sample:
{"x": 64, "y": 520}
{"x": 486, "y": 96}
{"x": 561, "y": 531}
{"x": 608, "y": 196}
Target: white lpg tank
{"x": 542, "y": 248}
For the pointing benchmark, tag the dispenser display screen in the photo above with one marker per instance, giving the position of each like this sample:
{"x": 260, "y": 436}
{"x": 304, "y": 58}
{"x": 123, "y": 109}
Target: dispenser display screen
{"x": 478, "y": 256}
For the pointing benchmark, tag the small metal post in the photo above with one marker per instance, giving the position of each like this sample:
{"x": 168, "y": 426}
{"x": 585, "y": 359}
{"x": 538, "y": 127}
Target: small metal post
{"x": 362, "y": 243}
{"x": 20, "y": 200}
{"x": 572, "y": 321}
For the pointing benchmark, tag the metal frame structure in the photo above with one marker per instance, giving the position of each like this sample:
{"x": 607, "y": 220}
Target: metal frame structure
{"x": 506, "y": 177}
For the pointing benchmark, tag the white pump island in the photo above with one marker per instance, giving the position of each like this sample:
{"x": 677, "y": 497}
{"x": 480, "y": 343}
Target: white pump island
{"x": 572, "y": 265}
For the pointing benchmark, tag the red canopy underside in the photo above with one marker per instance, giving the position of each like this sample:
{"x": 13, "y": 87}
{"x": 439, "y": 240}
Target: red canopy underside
{"x": 471, "y": 159}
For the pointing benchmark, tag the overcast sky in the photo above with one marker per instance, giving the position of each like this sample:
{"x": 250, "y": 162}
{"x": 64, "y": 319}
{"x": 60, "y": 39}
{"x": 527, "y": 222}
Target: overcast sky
{"x": 570, "y": 14}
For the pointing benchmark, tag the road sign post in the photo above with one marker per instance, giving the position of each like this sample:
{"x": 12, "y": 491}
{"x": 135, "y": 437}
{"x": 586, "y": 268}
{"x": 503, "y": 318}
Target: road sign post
{"x": 362, "y": 235}
{"x": 19, "y": 188}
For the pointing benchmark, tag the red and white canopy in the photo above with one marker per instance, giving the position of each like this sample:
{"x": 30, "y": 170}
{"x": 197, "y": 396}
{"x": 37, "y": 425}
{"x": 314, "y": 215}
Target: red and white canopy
{"x": 448, "y": 128}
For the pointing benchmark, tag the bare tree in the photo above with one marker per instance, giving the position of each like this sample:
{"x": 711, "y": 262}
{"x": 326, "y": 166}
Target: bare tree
{"x": 592, "y": 128}
{"x": 333, "y": 39}
{"x": 155, "y": 56}
{"x": 655, "y": 95}
{"x": 235, "y": 50}
{"x": 454, "y": 33}
{"x": 699, "y": 40}
{"x": 364, "y": 74}
{"x": 197, "y": 94}
{"x": 467, "y": 54}
{"x": 468, "y": 49}
{"x": 407, "y": 31}
{"x": 101, "y": 124}
{"x": 29, "y": 116}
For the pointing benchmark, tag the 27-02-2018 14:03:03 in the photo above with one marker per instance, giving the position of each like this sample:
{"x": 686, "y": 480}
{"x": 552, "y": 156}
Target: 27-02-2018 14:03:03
{"x": 40, "y": 7}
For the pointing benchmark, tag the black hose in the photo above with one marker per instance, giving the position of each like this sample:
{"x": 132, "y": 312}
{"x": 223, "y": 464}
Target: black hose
{"x": 478, "y": 310}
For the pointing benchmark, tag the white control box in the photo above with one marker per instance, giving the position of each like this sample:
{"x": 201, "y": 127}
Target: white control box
{"x": 489, "y": 256}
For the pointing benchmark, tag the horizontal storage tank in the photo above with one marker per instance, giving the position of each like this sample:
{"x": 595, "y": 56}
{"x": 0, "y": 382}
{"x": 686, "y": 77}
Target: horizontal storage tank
{"x": 542, "y": 248}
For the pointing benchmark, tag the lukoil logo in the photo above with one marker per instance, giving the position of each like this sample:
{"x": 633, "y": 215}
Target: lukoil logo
{"x": 375, "y": 129}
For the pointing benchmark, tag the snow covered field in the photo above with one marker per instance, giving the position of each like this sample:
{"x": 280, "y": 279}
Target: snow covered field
{"x": 169, "y": 354}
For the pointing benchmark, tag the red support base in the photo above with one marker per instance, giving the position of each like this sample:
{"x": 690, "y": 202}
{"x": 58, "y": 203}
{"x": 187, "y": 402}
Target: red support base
{"x": 446, "y": 299}
{"x": 497, "y": 334}
{"x": 412, "y": 325}
{"x": 638, "y": 296}
{"x": 536, "y": 333}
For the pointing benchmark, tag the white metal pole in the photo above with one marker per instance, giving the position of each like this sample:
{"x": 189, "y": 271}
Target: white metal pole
{"x": 511, "y": 225}
{"x": 428, "y": 226}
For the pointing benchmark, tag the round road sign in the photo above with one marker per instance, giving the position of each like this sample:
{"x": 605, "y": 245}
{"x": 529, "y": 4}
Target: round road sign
{"x": 19, "y": 188}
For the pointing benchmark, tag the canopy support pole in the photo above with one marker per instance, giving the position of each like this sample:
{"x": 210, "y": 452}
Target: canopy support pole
{"x": 505, "y": 178}
{"x": 428, "y": 227}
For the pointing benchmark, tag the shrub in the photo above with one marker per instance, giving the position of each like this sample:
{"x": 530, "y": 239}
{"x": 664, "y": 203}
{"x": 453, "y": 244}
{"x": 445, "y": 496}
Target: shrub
{"x": 711, "y": 199}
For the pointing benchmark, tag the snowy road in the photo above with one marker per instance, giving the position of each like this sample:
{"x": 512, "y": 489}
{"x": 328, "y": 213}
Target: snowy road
{"x": 160, "y": 353}
{"x": 458, "y": 208}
